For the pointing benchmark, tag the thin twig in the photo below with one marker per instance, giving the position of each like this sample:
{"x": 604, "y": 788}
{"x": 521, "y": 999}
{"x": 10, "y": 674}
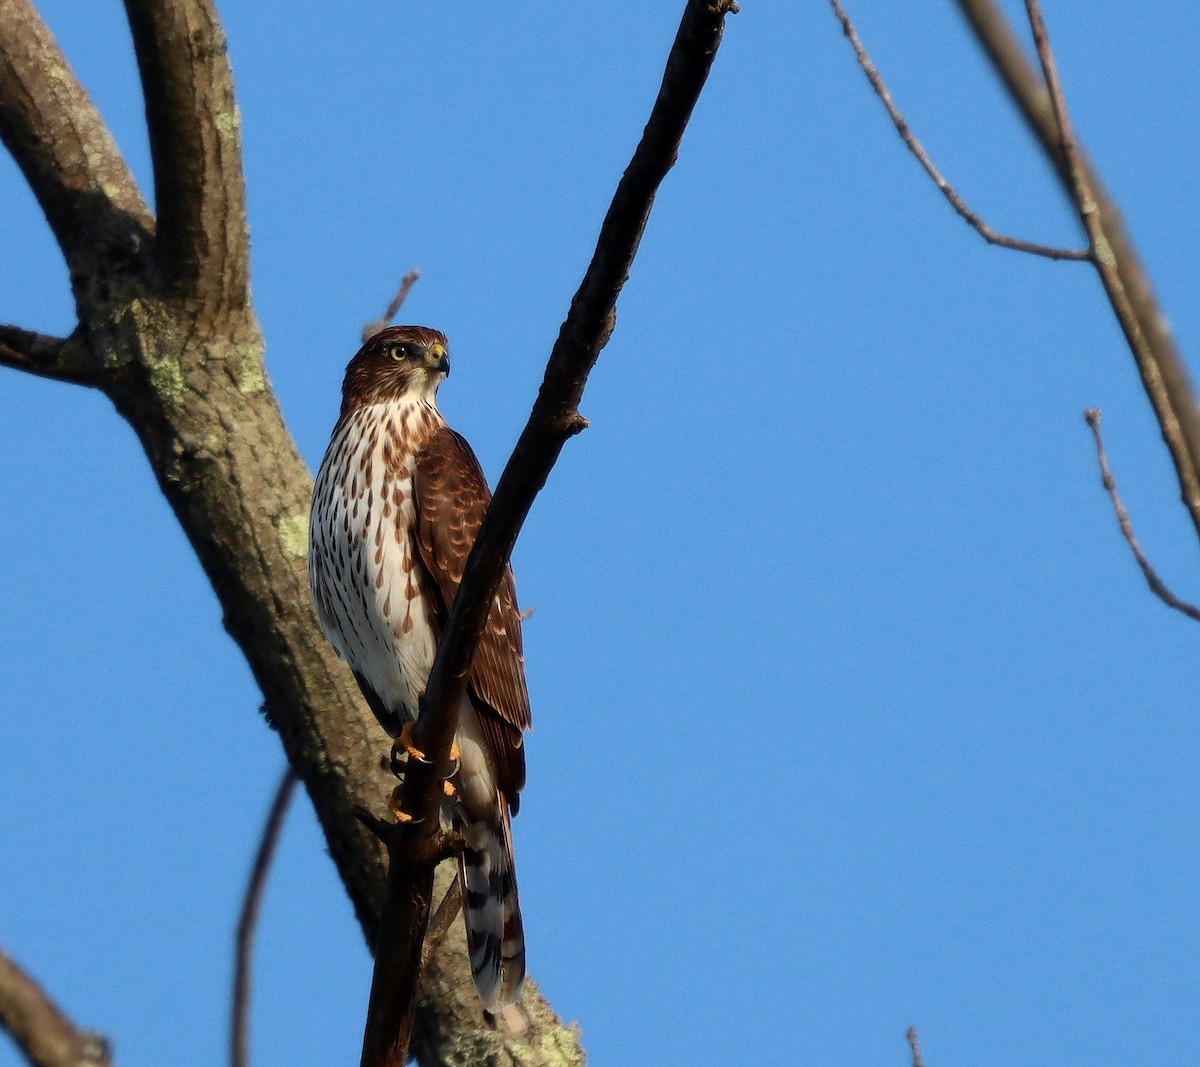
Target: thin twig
{"x": 38, "y": 1027}
{"x": 443, "y": 919}
{"x": 251, "y": 906}
{"x": 1156, "y": 584}
{"x": 406, "y": 284}
{"x": 415, "y": 847}
{"x": 915, "y": 1045}
{"x": 918, "y": 150}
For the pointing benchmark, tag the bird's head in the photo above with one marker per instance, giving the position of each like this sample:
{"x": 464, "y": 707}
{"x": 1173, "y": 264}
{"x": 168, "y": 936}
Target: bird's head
{"x": 401, "y": 362}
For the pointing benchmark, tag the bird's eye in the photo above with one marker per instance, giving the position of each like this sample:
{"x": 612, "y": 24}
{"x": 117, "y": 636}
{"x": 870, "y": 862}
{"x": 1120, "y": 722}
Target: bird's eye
{"x": 398, "y": 352}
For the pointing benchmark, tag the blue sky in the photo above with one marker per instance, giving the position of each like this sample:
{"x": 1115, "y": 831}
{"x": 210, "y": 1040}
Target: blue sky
{"x": 851, "y": 709}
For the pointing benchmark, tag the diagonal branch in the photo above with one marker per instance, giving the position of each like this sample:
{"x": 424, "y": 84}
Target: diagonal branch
{"x": 914, "y": 1047}
{"x": 1157, "y": 586}
{"x": 66, "y": 153}
{"x": 239, "y": 1055}
{"x": 45, "y": 1036}
{"x": 415, "y": 847}
{"x": 918, "y": 150}
{"x": 1146, "y": 328}
{"x": 406, "y": 284}
{"x": 195, "y": 141}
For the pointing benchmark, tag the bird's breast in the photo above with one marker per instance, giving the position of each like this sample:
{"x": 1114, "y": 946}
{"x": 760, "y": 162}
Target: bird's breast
{"x": 364, "y": 563}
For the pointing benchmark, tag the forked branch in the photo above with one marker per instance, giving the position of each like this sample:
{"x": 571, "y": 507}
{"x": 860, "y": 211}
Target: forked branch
{"x": 918, "y": 150}
{"x": 1147, "y": 331}
{"x": 1043, "y": 104}
{"x": 555, "y": 417}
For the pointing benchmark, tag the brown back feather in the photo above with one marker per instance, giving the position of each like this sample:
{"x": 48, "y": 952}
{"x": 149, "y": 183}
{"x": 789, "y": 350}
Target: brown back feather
{"x": 451, "y": 496}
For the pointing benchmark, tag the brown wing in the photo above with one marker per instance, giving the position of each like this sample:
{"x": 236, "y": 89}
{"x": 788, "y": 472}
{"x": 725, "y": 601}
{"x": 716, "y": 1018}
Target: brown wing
{"x": 451, "y": 496}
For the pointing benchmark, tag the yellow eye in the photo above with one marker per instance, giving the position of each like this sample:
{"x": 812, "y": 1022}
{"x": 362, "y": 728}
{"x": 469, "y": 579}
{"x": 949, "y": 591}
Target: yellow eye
{"x": 398, "y": 352}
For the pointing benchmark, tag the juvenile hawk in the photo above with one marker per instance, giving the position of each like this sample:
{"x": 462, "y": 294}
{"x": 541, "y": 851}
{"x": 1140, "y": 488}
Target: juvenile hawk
{"x": 397, "y": 505}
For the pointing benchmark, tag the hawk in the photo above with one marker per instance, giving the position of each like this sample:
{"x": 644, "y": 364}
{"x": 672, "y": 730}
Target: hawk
{"x": 396, "y": 508}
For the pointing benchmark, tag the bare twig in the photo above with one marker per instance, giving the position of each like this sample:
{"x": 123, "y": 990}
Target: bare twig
{"x": 1156, "y": 584}
{"x": 45, "y": 1036}
{"x": 918, "y": 150}
{"x": 195, "y": 141}
{"x": 406, "y": 284}
{"x": 1146, "y": 328}
{"x": 555, "y": 418}
{"x": 443, "y": 919}
{"x": 251, "y": 906}
{"x": 915, "y": 1046}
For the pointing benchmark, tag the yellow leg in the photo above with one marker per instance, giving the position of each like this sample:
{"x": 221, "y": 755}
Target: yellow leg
{"x": 449, "y": 789}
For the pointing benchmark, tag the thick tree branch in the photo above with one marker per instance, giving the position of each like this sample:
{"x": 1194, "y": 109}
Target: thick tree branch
{"x": 918, "y": 150}
{"x": 45, "y": 1036}
{"x": 415, "y": 848}
{"x": 64, "y": 359}
{"x": 239, "y": 1052}
{"x": 195, "y": 140}
{"x": 1146, "y": 328}
{"x": 66, "y": 153}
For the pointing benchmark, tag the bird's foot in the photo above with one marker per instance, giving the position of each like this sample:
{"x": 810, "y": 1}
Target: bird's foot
{"x": 394, "y": 806}
{"x": 403, "y": 743}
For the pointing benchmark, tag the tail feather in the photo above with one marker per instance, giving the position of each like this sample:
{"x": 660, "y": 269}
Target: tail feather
{"x": 495, "y": 935}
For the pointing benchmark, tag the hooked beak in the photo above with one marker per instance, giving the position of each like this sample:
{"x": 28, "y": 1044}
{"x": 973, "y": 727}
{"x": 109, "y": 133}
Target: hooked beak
{"x": 438, "y": 360}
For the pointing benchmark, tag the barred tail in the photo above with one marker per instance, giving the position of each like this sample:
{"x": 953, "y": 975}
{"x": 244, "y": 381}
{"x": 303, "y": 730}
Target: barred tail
{"x": 495, "y": 935}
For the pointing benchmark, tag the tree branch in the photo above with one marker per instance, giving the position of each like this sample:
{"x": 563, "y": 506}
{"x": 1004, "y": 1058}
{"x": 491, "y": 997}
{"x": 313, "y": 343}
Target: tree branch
{"x": 406, "y": 284}
{"x": 914, "y": 1047}
{"x": 251, "y": 906}
{"x": 66, "y": 153}
{"x": 442, "y": 920}
{"x": 917, "y": 149}
{"x": 1157, "y": 586}
{"x": 63, "y": 359}
{"x": 45, "y": 1036}
{"x": 195, "y": 141}
{"x": 414, "y": 848}
{"x": 1146, "y": 328}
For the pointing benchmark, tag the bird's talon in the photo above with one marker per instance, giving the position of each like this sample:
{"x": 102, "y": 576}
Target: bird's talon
{"x": 404, "y": 743}
{"x": 400, "y": 815}
{"x": 449, "y": 789}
